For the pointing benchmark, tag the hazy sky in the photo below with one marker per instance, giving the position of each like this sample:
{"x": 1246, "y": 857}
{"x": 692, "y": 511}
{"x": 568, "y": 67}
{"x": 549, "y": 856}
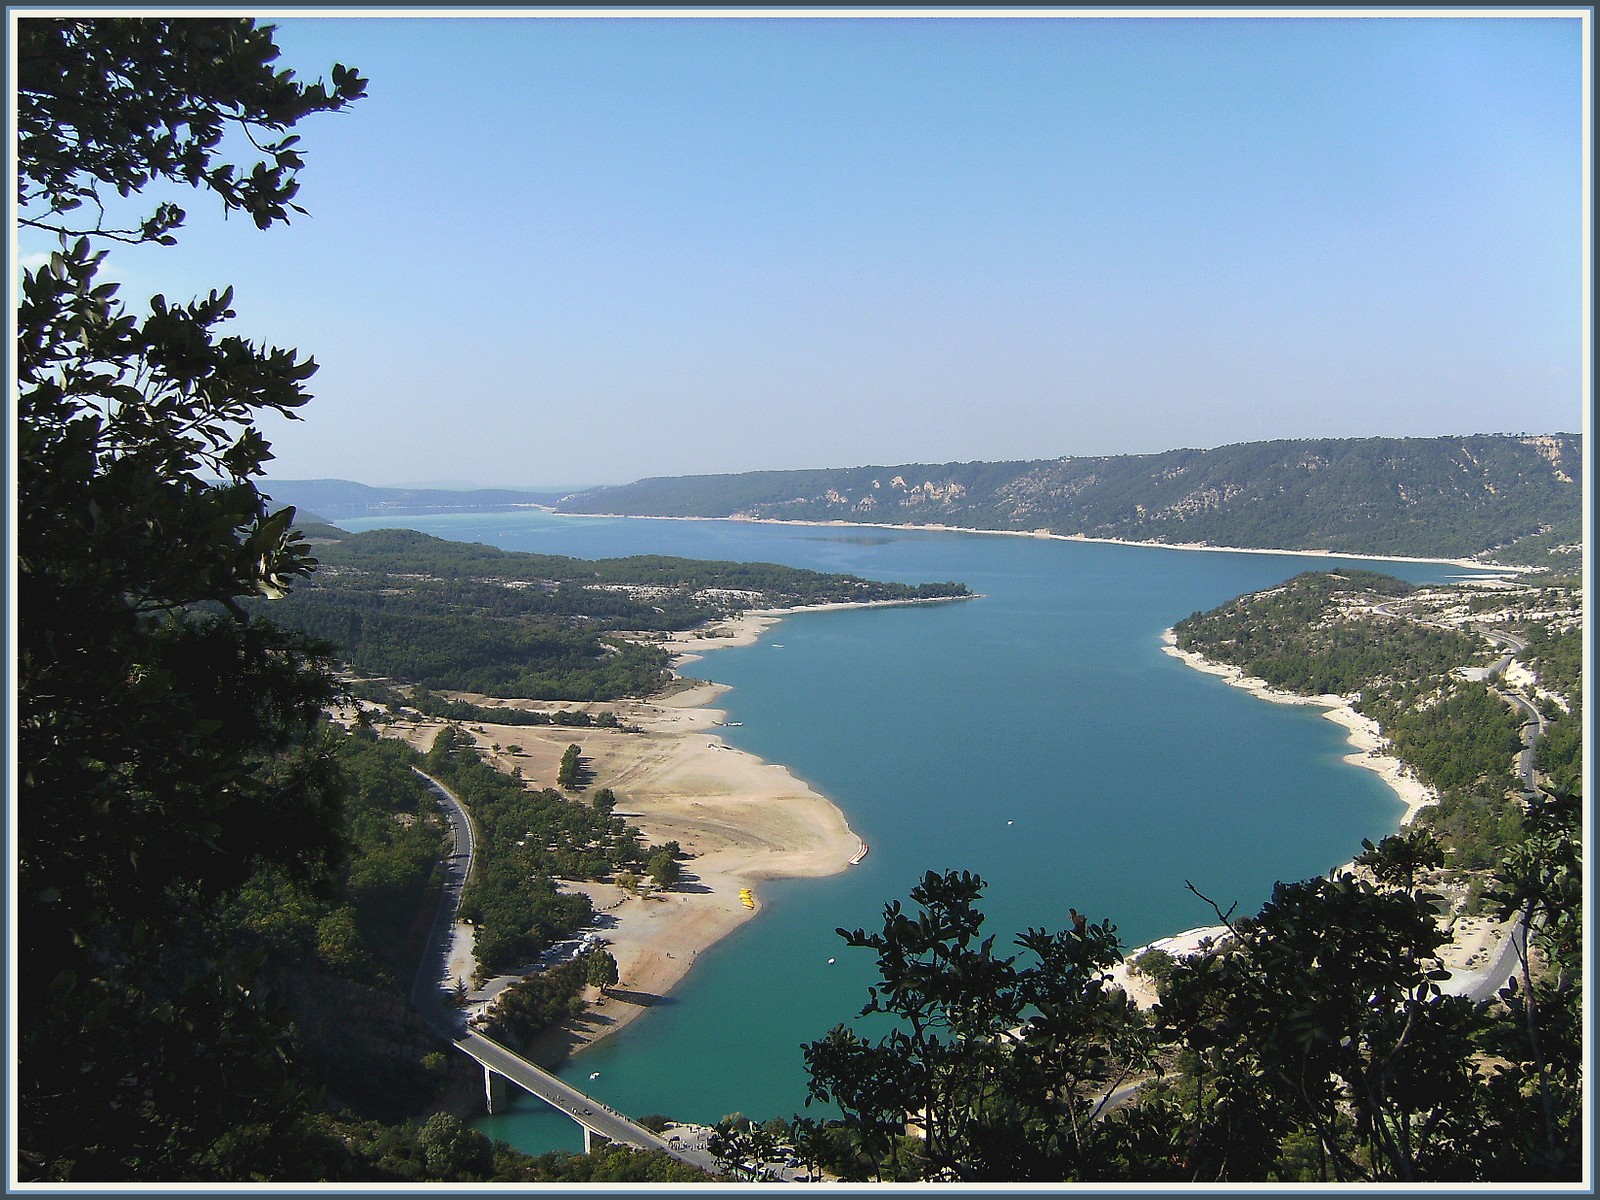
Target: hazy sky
{"x": 570, "y": 250}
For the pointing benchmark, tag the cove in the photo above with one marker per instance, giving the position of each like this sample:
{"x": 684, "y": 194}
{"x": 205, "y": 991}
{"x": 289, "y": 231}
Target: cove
{"x": 1036, "y": 736}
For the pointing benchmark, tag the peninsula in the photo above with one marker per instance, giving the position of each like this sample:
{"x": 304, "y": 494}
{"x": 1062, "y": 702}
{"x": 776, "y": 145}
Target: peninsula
{"x": 1464, "y": 699}
{"x": 562, "y": 675}
{"x": 739, "y": 822}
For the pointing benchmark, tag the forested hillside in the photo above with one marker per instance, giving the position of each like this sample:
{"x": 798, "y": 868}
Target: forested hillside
{"x": 1399, "y": 651}
{"x": 468, "y": 617}
{"x": 1437, "y": 497}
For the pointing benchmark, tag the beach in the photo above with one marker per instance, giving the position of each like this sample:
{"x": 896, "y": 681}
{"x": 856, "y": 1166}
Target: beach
{"x": 1366, "y": 742}
{"x": 1473, "y": 942}
{"x": 1046, "y": 535}
{"x": 741, "y": 820}
{"x": 1472, "y": 939}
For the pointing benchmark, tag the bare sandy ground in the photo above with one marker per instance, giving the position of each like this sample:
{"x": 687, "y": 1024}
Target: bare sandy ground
{"x": 1366, "y": 743}
{"x": 1473, "y": 939}
{"x": 741, "y": 819}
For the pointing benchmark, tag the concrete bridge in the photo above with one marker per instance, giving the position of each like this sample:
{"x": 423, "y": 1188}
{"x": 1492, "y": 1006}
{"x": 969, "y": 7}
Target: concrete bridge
{"x": 501, "y": 1065}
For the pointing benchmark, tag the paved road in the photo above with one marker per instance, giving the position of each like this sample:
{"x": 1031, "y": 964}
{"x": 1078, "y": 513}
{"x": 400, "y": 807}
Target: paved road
{"x": 1533, "y": 721}
{"x": 1533, "y": 724}
{"x": 1509, "y": 642}
{"x": 1119, "y": 1097}
{"x": 1516, "y": 644}
{"x": 428, "y": 992}
{"x": 1485, "y": 982}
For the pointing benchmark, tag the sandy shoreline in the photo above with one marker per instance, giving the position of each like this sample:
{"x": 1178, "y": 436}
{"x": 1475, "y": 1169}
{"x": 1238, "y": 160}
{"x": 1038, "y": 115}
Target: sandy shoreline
{"x": 742, "y": 820}
{"x": 1472, "y": 939}
{"x": 1046, "y": 535}
{"x": 1366, "y": 742}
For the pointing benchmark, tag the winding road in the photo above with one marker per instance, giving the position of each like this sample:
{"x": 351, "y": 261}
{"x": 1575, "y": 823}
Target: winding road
{"x": 1533, "y": 723}
{"x": 428, "y": 992}
{"x": 1485, "y": 982}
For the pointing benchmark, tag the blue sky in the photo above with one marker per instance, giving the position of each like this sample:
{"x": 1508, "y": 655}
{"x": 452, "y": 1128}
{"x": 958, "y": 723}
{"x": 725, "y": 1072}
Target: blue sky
{"x": 561, "y": 251}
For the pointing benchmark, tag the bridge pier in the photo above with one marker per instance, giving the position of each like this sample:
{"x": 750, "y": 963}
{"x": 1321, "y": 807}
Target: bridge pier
{"x": 495, "y": 1100}
{"x": 591, "y": 1115}
{"x": 494, "y": 1091}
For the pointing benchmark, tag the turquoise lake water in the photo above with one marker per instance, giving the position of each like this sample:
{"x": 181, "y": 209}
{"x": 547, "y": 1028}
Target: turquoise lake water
{"x": 1036, "y": 736}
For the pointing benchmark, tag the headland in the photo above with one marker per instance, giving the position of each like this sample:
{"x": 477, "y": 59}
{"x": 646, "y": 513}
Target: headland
{"x": 741, "y": 821}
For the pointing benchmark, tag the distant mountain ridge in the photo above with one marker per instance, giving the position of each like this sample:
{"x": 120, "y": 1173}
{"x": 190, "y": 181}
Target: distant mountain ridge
{"x": 340, "y": 499}
{"x": 1450, "y": 497}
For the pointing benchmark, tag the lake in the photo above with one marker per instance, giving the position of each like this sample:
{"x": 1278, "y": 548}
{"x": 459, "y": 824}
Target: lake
{"x": 1036, "y": 736}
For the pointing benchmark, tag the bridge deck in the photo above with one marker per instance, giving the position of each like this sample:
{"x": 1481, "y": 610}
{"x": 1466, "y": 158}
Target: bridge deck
{"x": 585, "y": 1110}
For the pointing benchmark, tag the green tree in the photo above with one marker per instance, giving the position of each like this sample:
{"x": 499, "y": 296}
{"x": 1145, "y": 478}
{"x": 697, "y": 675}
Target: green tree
{"x": 161, "y": 732}
{"x": 1313, "y": 1044}
{"x": 1322, "y": 1018}
{"x": 452, "y": 1151}
{"x": 536, "y": 1002}
{"x": 1539, "y": 885}
{"x": 602, "y": 971}
{"x": 1002, "y": 1066}
{"x": 743, "y": 1148}
{"x": 1155, "y": 965}
{"x": 113, "y": 104}
{"x": 569, "y": 775}
{"x": 664, "y": 868}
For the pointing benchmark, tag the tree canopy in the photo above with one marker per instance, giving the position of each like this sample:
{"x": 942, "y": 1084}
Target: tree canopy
{"x": 1004, "y": 1064}
{"x": 109, "y": 104}
{"x": 161, "y": 732}
{"x": 1313, "y": 1043}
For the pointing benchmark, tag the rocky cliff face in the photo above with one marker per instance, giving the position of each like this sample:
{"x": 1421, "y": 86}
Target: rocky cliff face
{"x": 1437, "y": 497}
